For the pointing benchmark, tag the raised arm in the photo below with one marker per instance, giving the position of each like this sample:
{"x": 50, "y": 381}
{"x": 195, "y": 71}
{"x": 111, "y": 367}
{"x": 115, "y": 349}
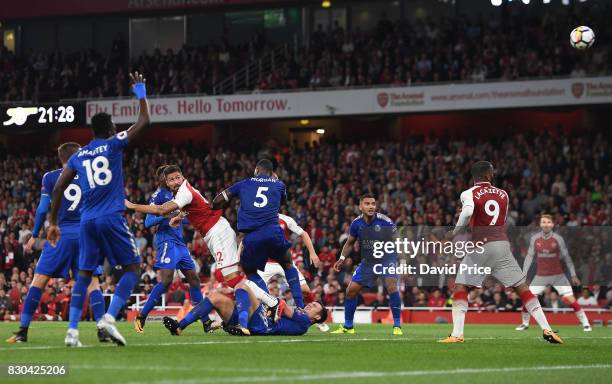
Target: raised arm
{"x": 222, "y": 199}
{"x": 314, "y": 258}
{"x": 58, "y": 191}
{"x": 139, "y": 89}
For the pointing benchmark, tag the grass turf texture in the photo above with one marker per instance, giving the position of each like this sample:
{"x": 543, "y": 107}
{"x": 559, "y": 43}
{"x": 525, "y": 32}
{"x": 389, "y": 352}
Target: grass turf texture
{"x": 491, "y": 353}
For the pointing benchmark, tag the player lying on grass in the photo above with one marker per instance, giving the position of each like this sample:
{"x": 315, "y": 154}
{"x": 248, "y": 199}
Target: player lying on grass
{"x": 58, "y": 261}
{"x": 172, "y": 254}
{"x": 245, "y": 315}
{"x": 549, "y": 250}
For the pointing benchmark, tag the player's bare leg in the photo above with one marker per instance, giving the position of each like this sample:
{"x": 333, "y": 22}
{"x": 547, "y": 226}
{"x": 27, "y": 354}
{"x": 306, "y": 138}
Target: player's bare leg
{"x": 395, "y": 302}
{"x": 460, "y": 307}
{"x": 39, "y": 282}
{"x": 570, "y": 300}
{"x": 350, "y": 305}
{"x": 532, "y": 305}
{"x": 164, "y": 276}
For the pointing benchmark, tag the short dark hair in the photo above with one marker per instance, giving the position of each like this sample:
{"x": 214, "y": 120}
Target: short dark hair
{"x": 171, "y": 169}
{"x": 266, "y": 165}
{"x": 101, "y": 123}
{"x": 479, "y": 168}
{"x": 160, "y": 171}
{"x": 66, "y": 150}
{"x": 324, "y": 313}
{"x": 366, "y": 196}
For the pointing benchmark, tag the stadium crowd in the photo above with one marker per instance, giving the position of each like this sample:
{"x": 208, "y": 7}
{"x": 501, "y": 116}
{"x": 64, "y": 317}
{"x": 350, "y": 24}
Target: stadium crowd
{"x": 456, "y": 49}
{"x": 417, "y": 185}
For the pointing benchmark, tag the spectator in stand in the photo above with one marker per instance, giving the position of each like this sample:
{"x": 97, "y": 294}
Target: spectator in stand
{"x": 587, "y": 299}
{"x": 436, "y": 299}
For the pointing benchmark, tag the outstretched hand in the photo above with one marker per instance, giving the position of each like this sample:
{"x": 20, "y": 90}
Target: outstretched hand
{"x": 137, "y": 84}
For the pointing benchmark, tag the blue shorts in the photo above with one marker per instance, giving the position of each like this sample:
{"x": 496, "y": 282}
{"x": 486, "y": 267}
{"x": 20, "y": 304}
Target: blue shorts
{"x": 107, "y": 236}
{"x": 171, "y": 255}
{"x": 259, "y": 323}
{"x": 264, "y": 243}
{"x": 366, "y": 275}
{"x": 58, "y": 261}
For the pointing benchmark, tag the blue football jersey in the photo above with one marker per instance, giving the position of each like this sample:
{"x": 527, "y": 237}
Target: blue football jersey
{"x": 164, "y": 231}
{"x": 297, "y": 325}
{"x": 100, "y": 176}
{"x": 69, "y": 215}
{"x": 381, "y": 228}
{"x": 260, "y": 200}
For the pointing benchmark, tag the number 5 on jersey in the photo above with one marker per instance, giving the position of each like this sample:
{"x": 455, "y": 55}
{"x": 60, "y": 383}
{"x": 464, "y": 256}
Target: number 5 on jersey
{"x": 260, "y": 195}
{"x": 97, "y": 171}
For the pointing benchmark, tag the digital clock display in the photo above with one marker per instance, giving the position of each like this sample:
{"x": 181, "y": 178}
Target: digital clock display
{"x": 50, "y": 114}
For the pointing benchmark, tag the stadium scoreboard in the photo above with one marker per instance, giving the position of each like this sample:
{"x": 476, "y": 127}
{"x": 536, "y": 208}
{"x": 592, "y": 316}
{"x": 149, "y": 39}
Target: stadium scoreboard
{"x": 41, "y": 116}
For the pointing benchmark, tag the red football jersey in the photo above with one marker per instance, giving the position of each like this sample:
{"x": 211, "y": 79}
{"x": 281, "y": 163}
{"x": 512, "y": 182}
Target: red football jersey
{"x": 549, "y": 251}
{"x": 490, "y": 209}
{"x": 199, "y": 212}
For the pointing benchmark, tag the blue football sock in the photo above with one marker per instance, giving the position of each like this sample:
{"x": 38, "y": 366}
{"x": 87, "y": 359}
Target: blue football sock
{"x": 196, "y": 298}
{"x": 122, "y": 293}
{"x": 350, "y": 305}
{"x": 29, "y": 305}
{"x": 96, "y": 301}
{"x": 293, "y": 279}
{"x": 76, "y": 301}
{"x": 396, "y": 308}
{"x": 243, "y": 304}
{"x": 156, "y": 293}
{"x": 254, "y": 277}
{"x": 199, "y": 311}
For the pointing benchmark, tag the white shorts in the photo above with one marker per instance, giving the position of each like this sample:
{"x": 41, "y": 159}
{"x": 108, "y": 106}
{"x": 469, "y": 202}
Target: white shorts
{"x": 274, "y": 269}
{"x": 498, "y": 257}
{"x": 559, "y": 282}
{"x": 221, "y": 241}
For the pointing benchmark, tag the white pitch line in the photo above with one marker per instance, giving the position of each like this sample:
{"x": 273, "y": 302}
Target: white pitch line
{"x": 262, "y": 340}
{"x": 189, "y": 369}
{"x": 364, "y": 375}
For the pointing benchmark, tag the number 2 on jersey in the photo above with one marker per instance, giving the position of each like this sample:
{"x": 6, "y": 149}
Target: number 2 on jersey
{"x": 260, "y": 195}
{"x": 492, "y": 209}
{"x": 95, "y": 169}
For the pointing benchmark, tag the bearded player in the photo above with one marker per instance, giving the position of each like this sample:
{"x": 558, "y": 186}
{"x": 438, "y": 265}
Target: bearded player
{"x": 484, "y": 208}
{"x": 368, "y": 228}
{"x": 172, "y": 254}
{"x": 550, "y": 252}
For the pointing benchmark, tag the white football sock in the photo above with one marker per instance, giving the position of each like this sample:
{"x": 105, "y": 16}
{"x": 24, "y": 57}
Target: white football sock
{"x": 583, "y": 318}
{"x": 460, "y": 307}
{"x": 260, "y": 294}
{"x": 534, "y": 308}
{"x": 525, "y": 316}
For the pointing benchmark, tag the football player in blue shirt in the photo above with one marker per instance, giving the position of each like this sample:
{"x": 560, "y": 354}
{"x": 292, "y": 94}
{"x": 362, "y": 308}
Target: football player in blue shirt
{"x": 104, "y": 231}
{"x": 59, "y": 261}
{"x": 172, "y": 254}
{"x": 260, "y": 200}
{"x": 369, "y": 227}
{"x": 253, "y": 319}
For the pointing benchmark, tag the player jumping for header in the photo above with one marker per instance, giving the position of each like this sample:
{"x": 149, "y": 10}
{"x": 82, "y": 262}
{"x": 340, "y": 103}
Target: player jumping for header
{"x": 103, "y": 232}
{"x": 485, "y": 207}
{"x": 549, "y": 250}
{"x": 260, "y": 200}
{"x": 58, "y": 261}
{"x": 369, "y": 227}
{"x": 172, "y": 254}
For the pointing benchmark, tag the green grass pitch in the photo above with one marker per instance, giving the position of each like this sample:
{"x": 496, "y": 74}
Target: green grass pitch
{"x": 491, "y": 354}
